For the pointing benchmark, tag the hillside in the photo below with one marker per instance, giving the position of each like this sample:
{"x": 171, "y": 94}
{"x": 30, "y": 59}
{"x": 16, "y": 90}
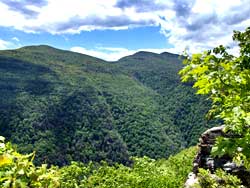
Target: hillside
{"x": 68, "y": 106}
{"x": 18, "y": 170}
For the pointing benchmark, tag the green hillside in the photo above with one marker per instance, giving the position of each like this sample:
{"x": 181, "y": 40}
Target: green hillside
{"x": 159, "y": 72}
{"x": 68, "y": 106}
{"x": 17, "y": 170}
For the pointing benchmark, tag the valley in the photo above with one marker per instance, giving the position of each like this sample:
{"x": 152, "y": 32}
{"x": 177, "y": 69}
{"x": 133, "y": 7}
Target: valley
{"x": 68, "y": 106}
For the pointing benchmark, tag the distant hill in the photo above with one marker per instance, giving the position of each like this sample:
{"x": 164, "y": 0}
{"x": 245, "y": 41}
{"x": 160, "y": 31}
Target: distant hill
{"x": 69, "y": 106}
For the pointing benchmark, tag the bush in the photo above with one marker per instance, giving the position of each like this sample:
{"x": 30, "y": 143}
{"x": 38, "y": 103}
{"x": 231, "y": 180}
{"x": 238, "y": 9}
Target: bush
{"x": 18, "y": 171}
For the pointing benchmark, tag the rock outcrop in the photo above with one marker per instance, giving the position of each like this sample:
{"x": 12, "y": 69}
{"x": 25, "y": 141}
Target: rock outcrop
{"x": 204, "y": 159}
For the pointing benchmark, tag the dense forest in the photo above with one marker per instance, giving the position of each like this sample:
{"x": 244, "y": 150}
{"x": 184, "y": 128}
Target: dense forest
{"x": 89, "y": 113}
{"x": 72, "y": 107}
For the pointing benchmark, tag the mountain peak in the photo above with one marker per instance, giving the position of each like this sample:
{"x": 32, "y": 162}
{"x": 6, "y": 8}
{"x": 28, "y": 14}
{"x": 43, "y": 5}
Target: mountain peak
{"x": 148, "y": 55}
{"x": 38, "y": 47}
{"x": 140, "y": 55}
{"x": 168, "y": 54}
{"x": 143, "y": 53}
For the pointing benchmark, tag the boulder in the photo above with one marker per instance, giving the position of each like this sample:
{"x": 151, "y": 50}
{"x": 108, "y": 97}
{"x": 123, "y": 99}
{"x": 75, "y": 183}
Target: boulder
{"x": 203, "y": 159}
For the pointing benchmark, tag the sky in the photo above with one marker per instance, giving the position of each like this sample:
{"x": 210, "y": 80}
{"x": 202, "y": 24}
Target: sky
{"x": 111, "y": 29}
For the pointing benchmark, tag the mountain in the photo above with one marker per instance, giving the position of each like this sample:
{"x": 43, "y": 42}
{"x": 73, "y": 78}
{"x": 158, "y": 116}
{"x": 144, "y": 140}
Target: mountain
{"x": 69, "y": 106}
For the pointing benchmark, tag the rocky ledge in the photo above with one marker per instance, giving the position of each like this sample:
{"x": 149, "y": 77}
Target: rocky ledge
{"x": 204, "y": 159}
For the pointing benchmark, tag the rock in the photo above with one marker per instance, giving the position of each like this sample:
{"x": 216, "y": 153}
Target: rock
{"x": 206, "y": 142}
{"x": 210, "y": 163}
{"x": 191, "y": 181}
{"x": 204, "y": 159}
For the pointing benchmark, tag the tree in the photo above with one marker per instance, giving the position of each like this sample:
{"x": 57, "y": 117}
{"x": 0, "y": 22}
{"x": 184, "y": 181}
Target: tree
{"x": 225, "y": 79}
{"x": 18, "y": 171}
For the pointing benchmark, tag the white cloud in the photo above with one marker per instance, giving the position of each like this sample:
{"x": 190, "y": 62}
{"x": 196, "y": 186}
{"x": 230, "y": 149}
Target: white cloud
{"x": 206, "y": 24}
{"x": 110, "y": 53}
{"x": 6, "y": 45}
{"x": 11, "y": 18}
{"x": 73, "y": 16}
{"x": 192, "y": 24}
{"x": 15, "y": 39}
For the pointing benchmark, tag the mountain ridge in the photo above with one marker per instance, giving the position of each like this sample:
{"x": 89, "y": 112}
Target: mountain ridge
{"x": 46, "y": 47}
{"x": 68, "y": 106}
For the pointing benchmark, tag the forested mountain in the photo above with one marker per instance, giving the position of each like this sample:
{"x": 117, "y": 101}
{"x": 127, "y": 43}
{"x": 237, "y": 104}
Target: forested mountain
{"x": 68, "y": 106}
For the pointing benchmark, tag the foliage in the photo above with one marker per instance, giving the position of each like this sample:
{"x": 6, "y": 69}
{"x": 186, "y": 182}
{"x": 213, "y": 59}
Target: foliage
{"x": 75, "y": 174}
{"x": 226, "y": 80}
{"x": 18, "y": 171}
{"x": 72, "y": 107}
{"x": 219, "y": 179}
{"x": 160, "y": 73}
{"x": 145, "y": 172}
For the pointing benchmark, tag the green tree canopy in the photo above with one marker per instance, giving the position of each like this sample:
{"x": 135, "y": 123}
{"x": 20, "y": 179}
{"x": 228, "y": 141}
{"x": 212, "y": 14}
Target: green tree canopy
{"x": 225, "y": 79}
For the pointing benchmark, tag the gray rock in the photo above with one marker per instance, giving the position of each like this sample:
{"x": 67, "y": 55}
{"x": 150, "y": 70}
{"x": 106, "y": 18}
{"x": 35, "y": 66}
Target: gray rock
{"x": 191, "y": 181}
{"x": 204, "y": 159}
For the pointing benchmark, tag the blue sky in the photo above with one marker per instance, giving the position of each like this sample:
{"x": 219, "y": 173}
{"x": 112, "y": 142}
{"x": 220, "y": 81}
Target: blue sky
{"x": 111, "y": 29}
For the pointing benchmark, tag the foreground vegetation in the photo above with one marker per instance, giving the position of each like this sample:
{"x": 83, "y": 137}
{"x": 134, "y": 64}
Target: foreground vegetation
{"x": 225, "y": 79}
{"x": 18, "y": 171}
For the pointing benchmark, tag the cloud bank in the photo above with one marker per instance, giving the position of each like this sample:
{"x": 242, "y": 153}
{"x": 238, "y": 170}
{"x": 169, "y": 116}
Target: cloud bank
{"x": 195, "y": 25}
{"x": 110, "y": 53}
